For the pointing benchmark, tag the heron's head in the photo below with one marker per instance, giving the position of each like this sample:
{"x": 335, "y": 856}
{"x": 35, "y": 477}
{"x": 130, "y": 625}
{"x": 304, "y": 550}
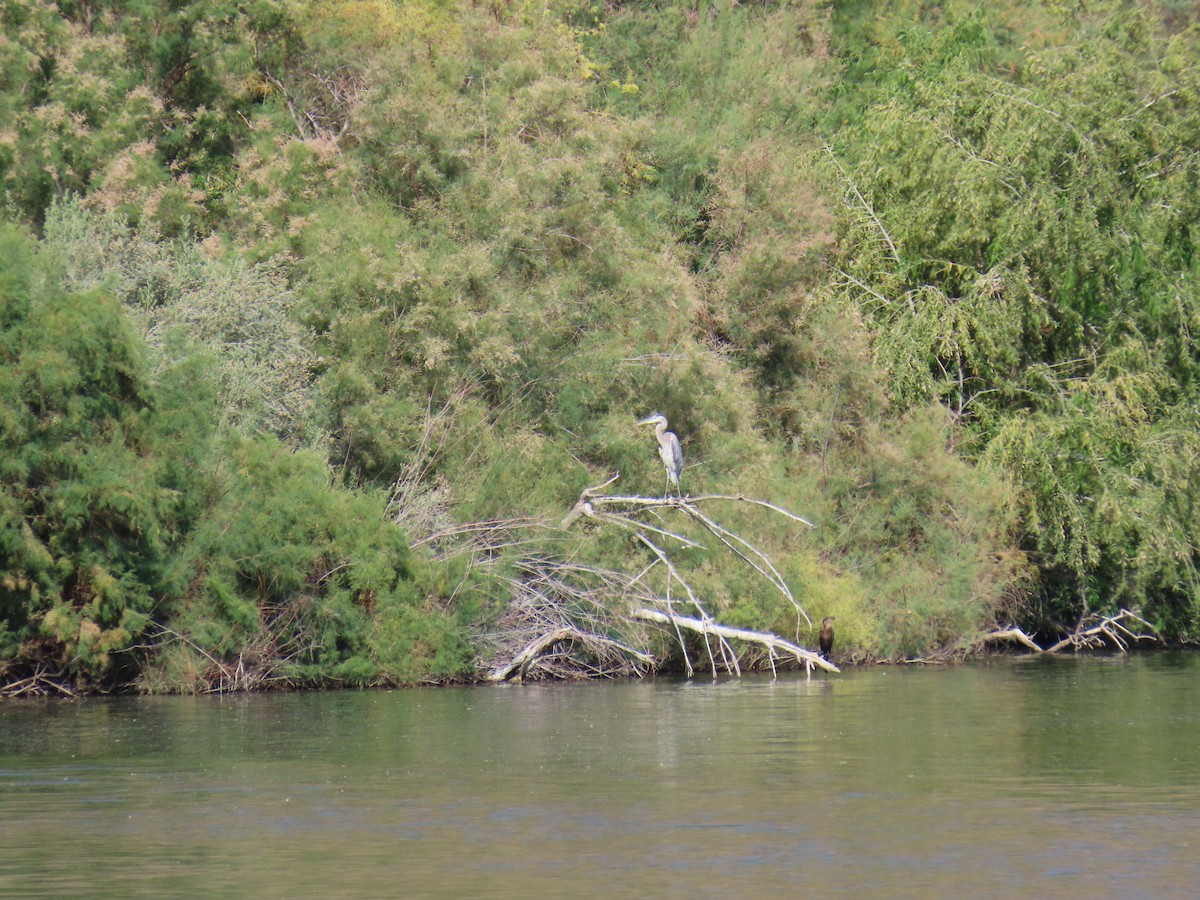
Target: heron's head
{"x": 654, "y": 419}
{"x": 829, "y": 620}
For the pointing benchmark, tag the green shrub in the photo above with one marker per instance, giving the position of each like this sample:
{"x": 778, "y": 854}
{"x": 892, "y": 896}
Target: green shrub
{"x": 1022, "y": 244}
{"x": 242, "y": 316}
{"x": 84, "y": 515}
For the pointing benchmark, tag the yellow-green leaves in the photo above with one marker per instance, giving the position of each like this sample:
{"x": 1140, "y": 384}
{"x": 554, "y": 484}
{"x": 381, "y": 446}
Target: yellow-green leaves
{"x": 1019, "y": 235}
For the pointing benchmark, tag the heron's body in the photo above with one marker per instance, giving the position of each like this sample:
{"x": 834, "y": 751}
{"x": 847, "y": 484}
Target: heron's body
{"x": 669, "y": 449}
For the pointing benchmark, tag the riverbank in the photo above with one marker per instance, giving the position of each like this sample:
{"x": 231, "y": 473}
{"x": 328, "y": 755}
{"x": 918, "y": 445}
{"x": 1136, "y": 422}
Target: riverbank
{"x": 332, "y": 334}
{"x": 567, "y": 657}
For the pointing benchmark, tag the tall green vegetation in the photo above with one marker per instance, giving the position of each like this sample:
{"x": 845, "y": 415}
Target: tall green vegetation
{"x": 85, "y": 513}
{"x": 142, "y": 535}
{"x": 186, "y": 305}
{"x": 305, "y": 269}
{"x": 1021, "y": 235}
{"x": 904, "y": 554}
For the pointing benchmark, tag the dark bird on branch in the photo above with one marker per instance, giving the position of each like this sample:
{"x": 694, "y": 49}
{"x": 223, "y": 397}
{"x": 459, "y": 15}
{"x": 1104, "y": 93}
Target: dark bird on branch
{"x": 668, "y": 448}
{"x": 826, "y": 636}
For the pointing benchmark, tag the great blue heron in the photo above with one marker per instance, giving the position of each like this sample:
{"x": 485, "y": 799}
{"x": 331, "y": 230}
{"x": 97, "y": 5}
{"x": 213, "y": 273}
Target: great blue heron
{"x": 826, "y": 636}
{"x": 668, "y": 448}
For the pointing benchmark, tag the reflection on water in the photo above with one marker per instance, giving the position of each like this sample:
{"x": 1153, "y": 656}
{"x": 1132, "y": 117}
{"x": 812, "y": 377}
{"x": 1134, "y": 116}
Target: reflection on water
{"x": 1076, "y": 777}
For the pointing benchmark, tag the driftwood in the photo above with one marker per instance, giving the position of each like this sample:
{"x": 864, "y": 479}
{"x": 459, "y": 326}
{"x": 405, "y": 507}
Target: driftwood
{"x": 594, "y": 644}
{"x": 1095, "y": 632}
{"x": 773, "y": 643}
{"x": 620, "y": 510}
{"x": 565, "y": 618}
{"x": 564, "y": 613}
{"x": 1011, "y": 634}
{"x": 630, "y": 513}
{"x": 42, "y": 683}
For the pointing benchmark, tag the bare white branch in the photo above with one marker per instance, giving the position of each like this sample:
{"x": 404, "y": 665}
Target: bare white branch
{"x": 770, "y": 641}
{"x": 1096, "y": 632}
{"x": 520, "y": 664}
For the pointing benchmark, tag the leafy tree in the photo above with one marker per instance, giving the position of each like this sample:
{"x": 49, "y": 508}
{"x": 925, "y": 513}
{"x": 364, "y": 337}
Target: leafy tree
{"x": 238, "y": 314}
{"x": 68, "y": 103}
{"x": 86, "y": 518}
{"x": 139, "y": 534}
{"x": 1024, "y": 247}
{"x": 295, "y": 580}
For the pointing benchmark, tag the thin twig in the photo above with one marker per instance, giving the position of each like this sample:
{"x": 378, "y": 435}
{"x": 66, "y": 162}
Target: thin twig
{"x": 865, "y": 205}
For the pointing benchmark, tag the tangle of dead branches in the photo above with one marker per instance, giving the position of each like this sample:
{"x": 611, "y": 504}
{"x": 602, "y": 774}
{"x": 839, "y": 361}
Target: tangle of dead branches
{"x": 568, "y": 613}
{"x": 1094, "y": 632}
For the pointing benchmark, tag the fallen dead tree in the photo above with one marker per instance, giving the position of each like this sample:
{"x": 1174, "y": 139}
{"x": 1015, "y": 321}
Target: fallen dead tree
{"x": 1094, "y": 632}
{"x": 567, "y": 620}
{"x": 564, "y": 618}
{"x": 621, "y": 510}
{"x": 42, "y": 683}
{"x": 551, "y": 648}
{"x": 775, "y": 646}
{"x": 585, "y": 617}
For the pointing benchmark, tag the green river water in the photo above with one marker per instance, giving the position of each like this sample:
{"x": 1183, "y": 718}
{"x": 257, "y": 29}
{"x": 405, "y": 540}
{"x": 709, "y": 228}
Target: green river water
{"x": 1048, "y": 778}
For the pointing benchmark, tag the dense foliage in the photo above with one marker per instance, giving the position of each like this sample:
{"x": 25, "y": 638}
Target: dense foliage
{"x": 1024, "y": 239}
{"x": 292, "y": 290}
